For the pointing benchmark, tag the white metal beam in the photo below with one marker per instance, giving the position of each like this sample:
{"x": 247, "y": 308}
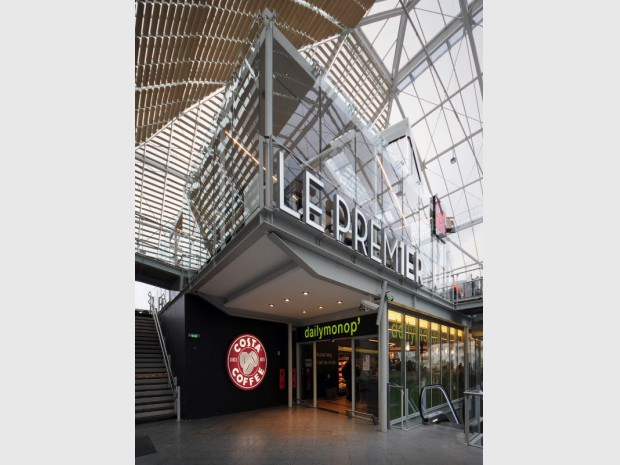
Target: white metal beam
{"x": 440, "y": 38}
{"x": 476, "y": 261}
{"x": 467, "y": 21}
{"x": 386, "y": 14}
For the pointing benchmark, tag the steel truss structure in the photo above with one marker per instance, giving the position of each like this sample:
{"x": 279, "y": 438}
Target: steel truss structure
{"x": 392, "y": 59}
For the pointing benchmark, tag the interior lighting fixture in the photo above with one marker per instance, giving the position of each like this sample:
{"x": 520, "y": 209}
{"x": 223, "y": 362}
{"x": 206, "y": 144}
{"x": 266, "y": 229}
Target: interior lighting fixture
{"x": 287, "y": 300}
{"x": 320, "y": 307}
{"x": 303, "y": 311}
{"x": 271, "y": 305}
{"x": 453, "y": 159}
{"x": 339, "y": 302}
{"x": 305, "y": 293}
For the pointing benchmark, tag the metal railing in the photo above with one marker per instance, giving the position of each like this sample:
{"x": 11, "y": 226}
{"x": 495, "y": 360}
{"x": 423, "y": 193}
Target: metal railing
{"x": 439, "y": 387}
{"x": 476, "y": 422}
{"x": 172, "y": 382}
{"x": 166, "y": 244}
{"x": 462, "y": 291}
{"x": 404, "y": 406}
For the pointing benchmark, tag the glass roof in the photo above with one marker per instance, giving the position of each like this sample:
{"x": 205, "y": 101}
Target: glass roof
{"x": 414, "y": 59}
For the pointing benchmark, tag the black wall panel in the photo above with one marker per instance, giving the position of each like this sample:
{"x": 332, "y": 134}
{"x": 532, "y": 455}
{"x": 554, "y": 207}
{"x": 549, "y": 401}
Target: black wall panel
{"x": 206, "y": 387}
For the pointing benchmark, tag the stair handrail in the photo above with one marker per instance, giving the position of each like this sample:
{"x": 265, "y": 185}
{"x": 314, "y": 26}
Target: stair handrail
{"x": 160, "y": 335}
{"x": 423, "y": 401}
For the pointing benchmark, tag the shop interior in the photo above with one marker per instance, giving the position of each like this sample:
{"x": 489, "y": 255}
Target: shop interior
{"x": 340, "y": 388}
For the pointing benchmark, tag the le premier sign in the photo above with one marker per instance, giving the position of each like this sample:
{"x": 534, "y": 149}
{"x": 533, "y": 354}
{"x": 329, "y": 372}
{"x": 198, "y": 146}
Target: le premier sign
{"x": 368, "y": 238}
{"x": 246, "y": 362}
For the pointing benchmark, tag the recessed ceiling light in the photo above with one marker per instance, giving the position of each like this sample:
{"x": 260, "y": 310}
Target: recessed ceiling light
{"x": 305, "y": 293}
{"x": 287, "y": 300}
{"x": 271, "y": 305}
{"x": 320, "y": 307}
{"x": 303, "y": 311}
{"x": 340, "y": 301}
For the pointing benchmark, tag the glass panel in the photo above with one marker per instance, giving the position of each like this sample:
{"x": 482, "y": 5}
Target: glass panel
{"x": 326, "y": 370}
{"x": 223, "y": 189}
{"x": 445, "y": 360}
{"x": 479, "y": 357}
{"x": 412, "y": 363}
{"x": 460, "y": 369}
{"x": 453, "y": 364}
{"x": 367, "y": 376}
{"x": 396, "y": 371}
{"x": 474, "y": 363}
{"x": 306, "y": 372}
{"x": 435, "y": 365}
{"x": 425, "y": 375}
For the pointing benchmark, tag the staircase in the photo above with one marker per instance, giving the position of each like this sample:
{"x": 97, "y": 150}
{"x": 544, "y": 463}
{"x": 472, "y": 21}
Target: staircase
{"x": 154, "y": 396}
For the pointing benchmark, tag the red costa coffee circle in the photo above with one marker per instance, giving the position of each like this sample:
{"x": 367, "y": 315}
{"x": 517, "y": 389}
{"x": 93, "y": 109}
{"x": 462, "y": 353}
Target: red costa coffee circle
{"x": 246, "y": 362}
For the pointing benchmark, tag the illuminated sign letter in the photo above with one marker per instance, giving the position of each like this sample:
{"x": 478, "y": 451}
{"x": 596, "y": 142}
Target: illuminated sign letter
{"x": 390, "y": 251}
{"x": 360, "y": 231}
{"x": 281, "y": 204}
{"x": 340, "y": 206}
{"x": 373, "y": 241}
{"x": 418, "y": 273}
{"x": 410, "y": 262}
{"x": 310, "y": 209}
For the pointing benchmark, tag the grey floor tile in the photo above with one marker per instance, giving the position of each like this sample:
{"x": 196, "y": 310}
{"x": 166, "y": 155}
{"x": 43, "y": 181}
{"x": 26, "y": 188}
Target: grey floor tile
{"x": 300, "y": 436}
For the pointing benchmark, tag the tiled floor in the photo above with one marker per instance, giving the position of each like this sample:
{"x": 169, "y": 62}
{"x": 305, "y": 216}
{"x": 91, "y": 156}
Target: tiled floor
{"x": 299, "y": 436}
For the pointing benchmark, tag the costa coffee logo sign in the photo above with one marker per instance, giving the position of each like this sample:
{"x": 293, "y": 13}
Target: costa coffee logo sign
{"x": 246, "y": 362}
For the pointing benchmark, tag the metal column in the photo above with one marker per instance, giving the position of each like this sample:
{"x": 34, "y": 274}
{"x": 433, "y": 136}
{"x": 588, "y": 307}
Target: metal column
{"x": 384, "y": 354}
{"x": 268, "y": 79}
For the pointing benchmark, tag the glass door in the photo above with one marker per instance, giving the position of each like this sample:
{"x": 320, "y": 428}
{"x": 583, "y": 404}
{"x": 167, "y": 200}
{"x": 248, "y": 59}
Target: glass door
{"x": 412, "y": 373}
{"x": 307, "y": 373}
{"x": 366, "y": 376}
{"x": 396, "y": 345}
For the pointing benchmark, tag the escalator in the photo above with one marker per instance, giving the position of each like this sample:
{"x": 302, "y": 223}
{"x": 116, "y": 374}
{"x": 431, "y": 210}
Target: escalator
{"x": 472, "y": 424}
{"x": 440, "y": 417}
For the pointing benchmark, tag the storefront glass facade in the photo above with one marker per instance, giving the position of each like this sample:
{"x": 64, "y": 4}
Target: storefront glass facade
{"x": 424, "y": 352}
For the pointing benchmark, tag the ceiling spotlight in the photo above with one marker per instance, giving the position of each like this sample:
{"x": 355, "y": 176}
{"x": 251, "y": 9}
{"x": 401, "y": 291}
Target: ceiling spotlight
{"x": 453, "y": 159}
{"x": 303, "y": 311}
{"x": 271, "y": 305}
{"x": 287, "y": 300}
{"x": 339, "y": 302}
{"x": 305, "y": 293}
{"x": 320, "y": 307}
